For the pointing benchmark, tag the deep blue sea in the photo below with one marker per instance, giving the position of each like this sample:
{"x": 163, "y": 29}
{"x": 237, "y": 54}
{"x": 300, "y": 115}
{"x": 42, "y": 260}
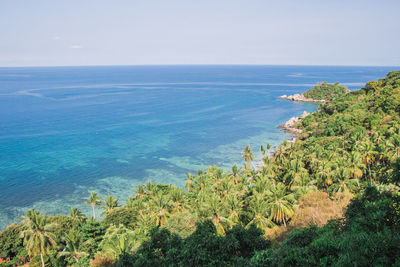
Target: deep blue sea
{"x": 67, "y": 131}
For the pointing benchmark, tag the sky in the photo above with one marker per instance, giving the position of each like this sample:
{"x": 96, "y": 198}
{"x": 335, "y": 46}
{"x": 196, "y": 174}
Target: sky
{"x": 152, "y": 32}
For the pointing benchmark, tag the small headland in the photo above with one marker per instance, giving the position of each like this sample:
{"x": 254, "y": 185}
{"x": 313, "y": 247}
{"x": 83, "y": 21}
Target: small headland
{"x": 290, "y": 125}
{"x": 322, "y": 92}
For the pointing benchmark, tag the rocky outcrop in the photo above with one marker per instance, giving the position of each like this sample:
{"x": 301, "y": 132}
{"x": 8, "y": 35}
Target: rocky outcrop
{"x": 301, "y": 98}
{"x": 289, "y": 126}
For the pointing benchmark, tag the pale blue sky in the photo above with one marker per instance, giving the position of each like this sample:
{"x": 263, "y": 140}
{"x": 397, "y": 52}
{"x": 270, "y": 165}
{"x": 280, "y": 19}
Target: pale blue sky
{"x": 129, "y": 32}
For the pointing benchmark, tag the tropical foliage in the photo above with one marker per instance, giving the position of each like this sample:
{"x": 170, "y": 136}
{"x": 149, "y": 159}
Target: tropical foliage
{"x": 225, "y": 217}
{"x": 326, "y": 91}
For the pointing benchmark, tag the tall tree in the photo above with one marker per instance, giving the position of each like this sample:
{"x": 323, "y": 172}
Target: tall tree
{"x": 369, "y": 156}
{"x": 344, "y": 182}
{"x": 119, "y": 241}
{"x": 280, "y": 203}
{"x": 73, "y": 251}
{"x": 110, "y": 204}
{"x": 38, "y": 236}
{"x": 355, "y": 164}
{"x": 260, "y": 218}
{"x": 189, "y": 183}
{"x": 268, "y": 148}
{"x": 160, "y": 208}
{"x": 76, "y": 215}
{"x": 234, "y": 208}
{"x": 324, "y": 174}
{"x": 262, "y": 152}
{"x": 215, "y": 211}
{"x": 177, "y": 199}
{"x": 247, "y": 155}
{"x": 294, "y": 170}
{"x": 94, "y": 200}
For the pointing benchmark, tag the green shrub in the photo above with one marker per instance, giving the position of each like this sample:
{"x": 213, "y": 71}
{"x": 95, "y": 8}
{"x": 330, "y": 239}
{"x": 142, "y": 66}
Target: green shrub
{"x": 326, "y": 91}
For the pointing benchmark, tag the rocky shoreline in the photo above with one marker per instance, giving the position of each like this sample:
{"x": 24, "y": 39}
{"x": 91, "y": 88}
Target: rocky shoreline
{"x": 301, "y": 98}
{"x": 289, "y": 125}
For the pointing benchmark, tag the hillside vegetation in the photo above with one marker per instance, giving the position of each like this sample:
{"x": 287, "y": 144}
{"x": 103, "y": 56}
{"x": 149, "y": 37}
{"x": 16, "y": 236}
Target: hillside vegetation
{"x": 247, "y": 216}
{"x": 326, "y": 91}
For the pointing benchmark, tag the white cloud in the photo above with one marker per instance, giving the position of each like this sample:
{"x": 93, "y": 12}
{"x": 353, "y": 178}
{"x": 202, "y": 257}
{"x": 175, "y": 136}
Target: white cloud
{"x": 75, "y": 46}
{"x": 56, "y": 38}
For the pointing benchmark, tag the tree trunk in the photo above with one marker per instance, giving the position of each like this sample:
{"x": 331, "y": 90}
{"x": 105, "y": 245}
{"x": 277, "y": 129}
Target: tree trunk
{"x": 41, "y": 257}
{"x": 94, "y": 214}
{"x": 370, "y": 176}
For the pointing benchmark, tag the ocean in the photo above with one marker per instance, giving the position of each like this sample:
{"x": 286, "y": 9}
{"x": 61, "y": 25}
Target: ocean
{"x": 67, "y": 131}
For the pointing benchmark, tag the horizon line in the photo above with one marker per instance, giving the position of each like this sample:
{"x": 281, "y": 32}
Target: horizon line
{"x": 182, "y": 64}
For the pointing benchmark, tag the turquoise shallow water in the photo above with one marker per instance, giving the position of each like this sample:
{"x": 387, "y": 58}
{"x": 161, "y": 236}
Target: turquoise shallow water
{"x": 65, "y": 131}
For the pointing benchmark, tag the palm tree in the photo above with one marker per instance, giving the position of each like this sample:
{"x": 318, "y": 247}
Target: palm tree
{"x": 394, "y": 144}
{"x": 144, "y": 220}
{"x": 234, "y": 207}
{"x": 224, "y": 187}
{"x": 38, "y": 236}
{"x": 259, "y": 212}
{"x": 119, "y": 245}
{"x": 280, "y": 154}
{"x": 268, "y": 148}
{"x": 201, "y": 182}
{"x": 324, "y": 174}
{"x": 355, "y": 162}
{"x": 247, "y": 154}
{"x": 214, "y": 207}
{"x": 150, "y": 188}
{"x": 344, "y": 181}
{"x": 76, "y": 215}
{"x": 314, "y": 158}
{"x": 73, "y": 250}
{"x": 140, "y": 191}
{"x": 94, "y": 200}
{"x": 110, "y": 203}
{"x": 295, "y": 169}
{"x": 178, "y": 200}
{"x": 235, "y": 174}
{"x": 189, "y": 183}
{"x": 262, "y": 152}
{"x": 369, "y": 156}
{"x": 280, "y": 203}
{"x": 260, "y": 186}
{"x": 120, "y": 240}
{"x": 267, "y": 169}
{"x": 160, "y": 208}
